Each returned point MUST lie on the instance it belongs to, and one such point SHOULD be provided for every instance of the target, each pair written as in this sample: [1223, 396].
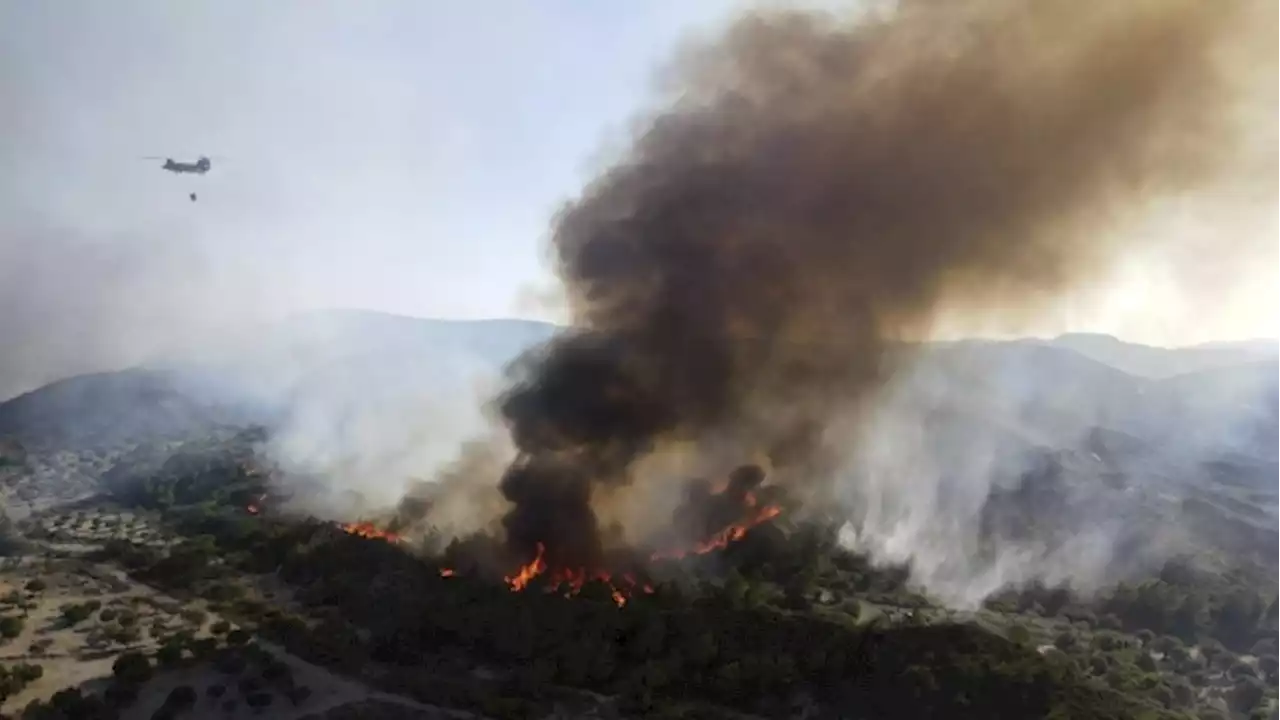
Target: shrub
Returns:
[132, 668]
[169, 655]
[181, 697]
[11, 626]
[1020, 635]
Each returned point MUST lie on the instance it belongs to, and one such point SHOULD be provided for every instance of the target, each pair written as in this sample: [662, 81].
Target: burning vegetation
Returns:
[359, 528]
[710, 519]
[369, 530]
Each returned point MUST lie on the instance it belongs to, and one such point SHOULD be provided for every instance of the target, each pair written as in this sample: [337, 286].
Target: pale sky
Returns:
[398, 155]
[395, 154]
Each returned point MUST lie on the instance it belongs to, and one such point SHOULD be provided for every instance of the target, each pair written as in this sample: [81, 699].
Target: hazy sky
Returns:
[400, 155]
[394, 154]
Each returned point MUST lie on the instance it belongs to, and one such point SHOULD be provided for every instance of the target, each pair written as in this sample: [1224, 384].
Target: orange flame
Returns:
[528, 572]
[730, 534]
[622, 588]
[369, 530]
[572, 579]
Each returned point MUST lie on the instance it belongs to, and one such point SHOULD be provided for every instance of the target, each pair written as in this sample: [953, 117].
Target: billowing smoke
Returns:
[814, 193]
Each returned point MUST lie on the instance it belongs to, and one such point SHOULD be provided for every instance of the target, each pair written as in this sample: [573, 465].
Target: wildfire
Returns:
[369, 530]
[758, 515]
[621, 588]
[624, 586]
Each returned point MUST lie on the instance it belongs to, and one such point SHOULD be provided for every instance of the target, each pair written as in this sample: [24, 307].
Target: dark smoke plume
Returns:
[817, 190]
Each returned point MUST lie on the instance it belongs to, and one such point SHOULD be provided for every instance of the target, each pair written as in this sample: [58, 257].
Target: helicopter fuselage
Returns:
[199, 167]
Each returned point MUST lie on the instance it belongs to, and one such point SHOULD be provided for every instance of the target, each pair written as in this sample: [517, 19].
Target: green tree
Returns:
[169, 655]
[75, 614]
[1187, 617]
[132, 668]
[735, 589]
[1020, 635]
[1236, 619]
[11, 626]
[204, 648]
[195, 617]
[182, 697]
[1066, 640]
[1246, 695]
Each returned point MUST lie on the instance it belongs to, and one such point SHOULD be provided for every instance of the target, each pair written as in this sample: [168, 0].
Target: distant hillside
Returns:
[343, 364]
[1158, 362]
[339, 385]
[105, 409]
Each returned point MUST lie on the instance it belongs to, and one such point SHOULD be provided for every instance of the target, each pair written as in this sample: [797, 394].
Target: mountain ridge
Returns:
[345, 368]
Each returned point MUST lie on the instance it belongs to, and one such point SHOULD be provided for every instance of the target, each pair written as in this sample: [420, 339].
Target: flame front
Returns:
[528, 572]
[572, 580]
[758, 515]
[369, 530]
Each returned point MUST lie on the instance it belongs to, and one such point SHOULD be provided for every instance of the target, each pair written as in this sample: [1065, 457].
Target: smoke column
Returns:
[816, 190]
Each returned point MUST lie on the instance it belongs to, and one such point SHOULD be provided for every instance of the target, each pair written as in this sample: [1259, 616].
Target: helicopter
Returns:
[200, 166]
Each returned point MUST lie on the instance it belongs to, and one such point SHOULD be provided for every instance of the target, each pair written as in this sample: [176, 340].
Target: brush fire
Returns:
[710, 519]
[369, 530]
[717, 517]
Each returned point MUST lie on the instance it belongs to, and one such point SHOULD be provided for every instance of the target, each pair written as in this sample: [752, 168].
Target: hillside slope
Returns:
[343, 364]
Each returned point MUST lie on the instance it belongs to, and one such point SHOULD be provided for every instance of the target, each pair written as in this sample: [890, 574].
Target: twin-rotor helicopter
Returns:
[201, 166]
